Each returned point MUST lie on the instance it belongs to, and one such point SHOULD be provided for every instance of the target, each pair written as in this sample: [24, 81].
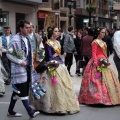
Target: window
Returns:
[56, 4]
[3, 20]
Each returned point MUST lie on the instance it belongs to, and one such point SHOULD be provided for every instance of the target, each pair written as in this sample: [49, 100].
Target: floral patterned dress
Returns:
[99, 87]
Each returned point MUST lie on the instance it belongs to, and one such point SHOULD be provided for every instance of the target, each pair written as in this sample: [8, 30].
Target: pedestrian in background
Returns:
[86, 48]
[21, 69]
[69, 48]
[109, 43]
[78, 56]
[6, 38]
[35, 43]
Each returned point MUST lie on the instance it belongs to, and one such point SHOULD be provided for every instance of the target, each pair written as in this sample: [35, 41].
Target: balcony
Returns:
[116, 6]
[26, 2]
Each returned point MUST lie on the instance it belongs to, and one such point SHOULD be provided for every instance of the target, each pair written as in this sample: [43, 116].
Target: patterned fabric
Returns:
[59, 98]
[113, 86]
[18, 72]
[55, 45]
[99, 88]
[4, 40]
[33, 43]
[49, 52]
[2, 87]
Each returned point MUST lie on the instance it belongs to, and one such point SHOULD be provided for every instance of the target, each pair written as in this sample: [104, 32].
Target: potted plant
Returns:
[90, 7]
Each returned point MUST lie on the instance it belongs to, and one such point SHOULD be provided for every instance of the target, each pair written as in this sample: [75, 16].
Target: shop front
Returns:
[11, 12]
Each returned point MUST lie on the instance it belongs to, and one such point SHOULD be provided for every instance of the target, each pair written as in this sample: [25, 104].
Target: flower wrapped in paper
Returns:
[52, 66]
[41, 52]
[16, 53]
[104, 63]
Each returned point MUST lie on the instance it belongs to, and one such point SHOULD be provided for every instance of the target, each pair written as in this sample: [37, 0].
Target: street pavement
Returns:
[86, 112]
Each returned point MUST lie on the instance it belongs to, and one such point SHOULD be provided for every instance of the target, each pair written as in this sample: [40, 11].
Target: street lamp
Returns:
[90, 7]
[70, 5]
[112, 12]
[57, 19]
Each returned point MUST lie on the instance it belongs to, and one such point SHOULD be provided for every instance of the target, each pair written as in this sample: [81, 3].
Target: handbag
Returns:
[81, 63]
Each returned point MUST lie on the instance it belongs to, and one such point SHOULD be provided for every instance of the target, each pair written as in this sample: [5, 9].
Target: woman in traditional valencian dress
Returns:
[99, 83]
[60, 97]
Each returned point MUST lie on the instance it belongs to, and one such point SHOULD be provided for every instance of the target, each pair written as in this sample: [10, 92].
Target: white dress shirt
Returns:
[31, 35]
[116, 43]
[8, 40]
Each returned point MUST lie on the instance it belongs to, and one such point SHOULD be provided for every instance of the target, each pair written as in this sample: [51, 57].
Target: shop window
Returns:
[3, 20]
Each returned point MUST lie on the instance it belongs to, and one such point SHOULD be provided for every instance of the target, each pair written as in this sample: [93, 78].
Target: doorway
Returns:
[19, 16]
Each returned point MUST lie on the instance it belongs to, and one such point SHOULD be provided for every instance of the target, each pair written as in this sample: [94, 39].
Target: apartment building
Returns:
[45, 10]
[99, 17]
[11, 11]
[116, 11]
[59, 10]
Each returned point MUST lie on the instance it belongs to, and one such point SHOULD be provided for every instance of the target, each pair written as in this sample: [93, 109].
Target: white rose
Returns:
[10, 50]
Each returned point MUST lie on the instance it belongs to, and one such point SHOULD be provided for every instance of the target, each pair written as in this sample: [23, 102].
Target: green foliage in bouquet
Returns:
[102, 68]
[41, 53]
[17, 53]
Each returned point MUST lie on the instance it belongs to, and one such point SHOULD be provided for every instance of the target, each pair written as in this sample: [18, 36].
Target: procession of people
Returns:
[31, 63]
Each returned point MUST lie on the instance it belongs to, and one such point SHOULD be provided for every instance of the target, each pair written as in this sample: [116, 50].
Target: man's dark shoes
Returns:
[2, 94]
[78, 74]
[7, 82]
[71, 75]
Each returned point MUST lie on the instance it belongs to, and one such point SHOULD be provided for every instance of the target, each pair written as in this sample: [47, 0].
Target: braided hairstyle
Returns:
[50, 31]
[97, 31]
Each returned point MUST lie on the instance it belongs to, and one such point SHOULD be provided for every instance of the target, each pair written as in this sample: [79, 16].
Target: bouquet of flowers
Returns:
[52, 66]
[17, 53]
[104, 63]
[41, 53]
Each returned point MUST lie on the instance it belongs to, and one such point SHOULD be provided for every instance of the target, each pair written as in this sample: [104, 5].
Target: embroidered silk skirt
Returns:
[59, 98]
[99, 87]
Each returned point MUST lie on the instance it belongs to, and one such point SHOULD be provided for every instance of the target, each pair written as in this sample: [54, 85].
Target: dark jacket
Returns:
[108, 41]
[77, 43]
[86, 49]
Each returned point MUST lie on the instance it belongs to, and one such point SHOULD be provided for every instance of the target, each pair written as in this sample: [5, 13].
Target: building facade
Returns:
[116, 13]
[11, 12]
[99, 17]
